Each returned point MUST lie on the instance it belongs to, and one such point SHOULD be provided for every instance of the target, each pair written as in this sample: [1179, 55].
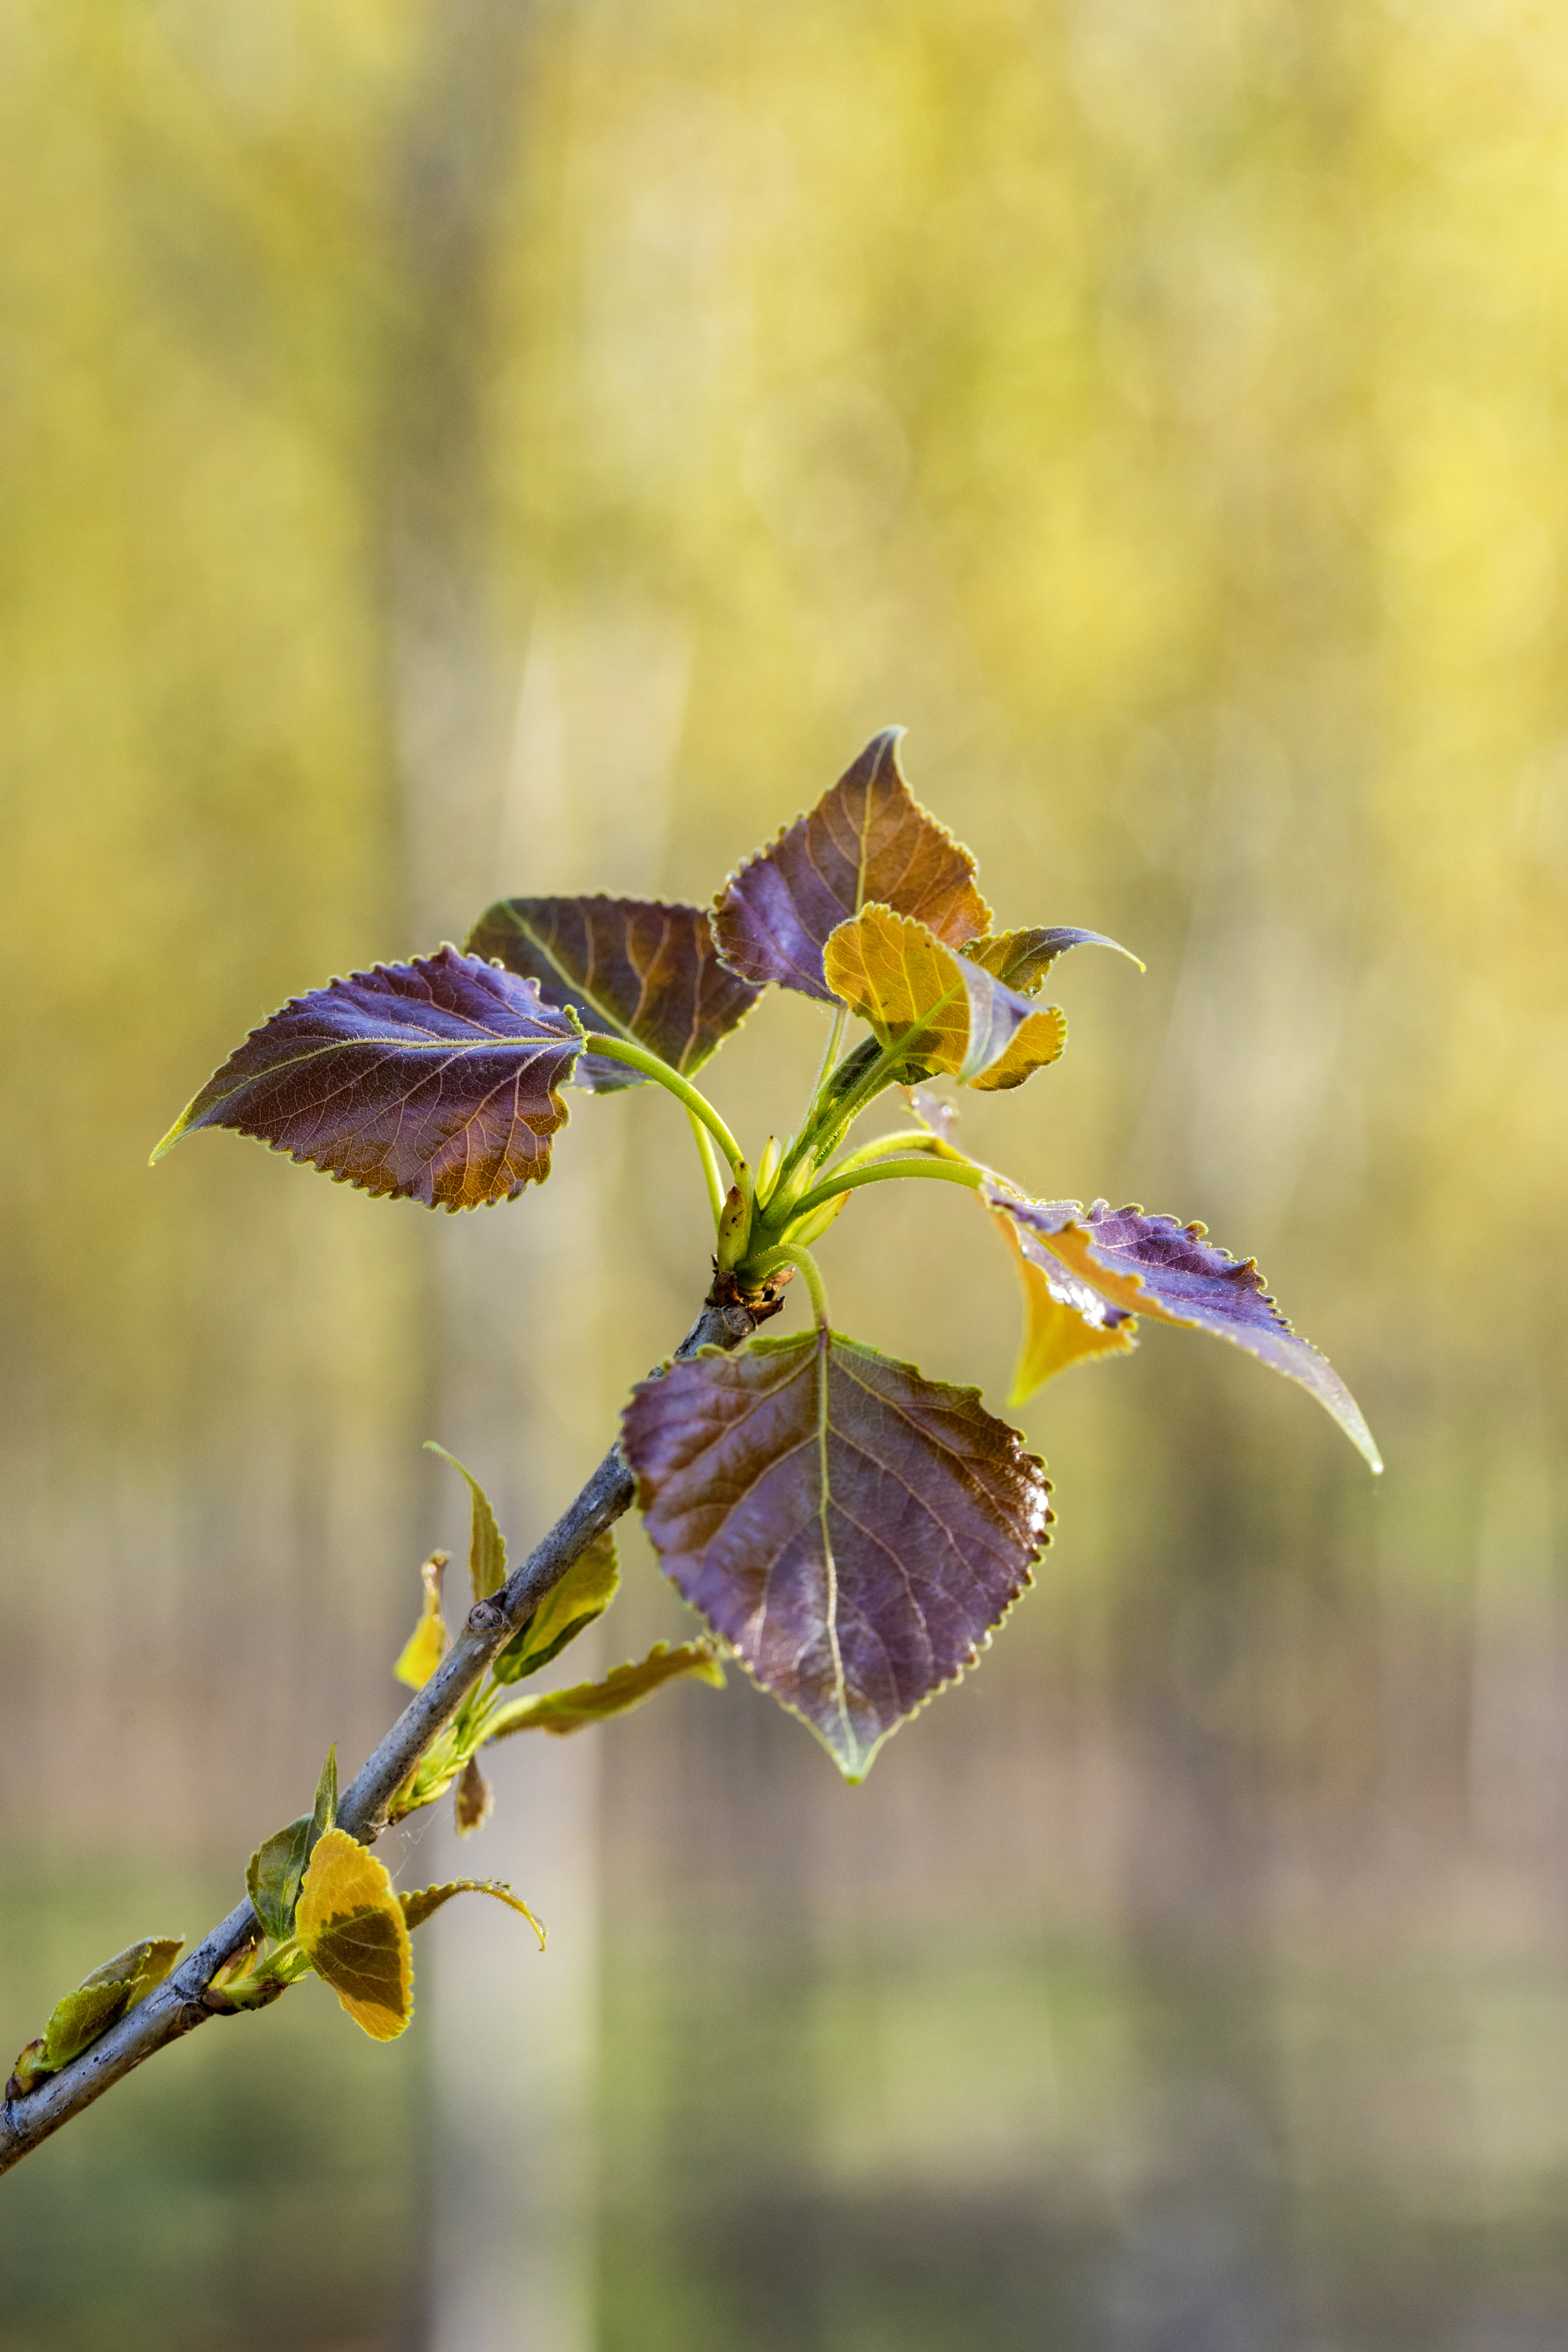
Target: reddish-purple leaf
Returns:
[434, 1081]
[867, 840]
[1155, 1266]
[855, 1531]
[631, 967]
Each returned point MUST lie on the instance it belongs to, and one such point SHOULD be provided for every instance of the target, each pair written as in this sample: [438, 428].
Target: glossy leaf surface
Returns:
[78, 2019]
[1064, 1322]
[561, 1712]
[855, 1531]
[1023, 959]
[955, 1017]
[349, 1923]
[426, 1645]
[568, 1609]
[867, 840]
[421, 1901]
[631, 967]
[486, 1545]
[1154, 1265]
[431, 1081]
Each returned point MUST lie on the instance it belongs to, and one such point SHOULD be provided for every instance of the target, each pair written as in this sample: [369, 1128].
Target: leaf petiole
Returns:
[787, 1253]
[621, 1049]
[850, 1180]
[717, 1188]
[904, 1138]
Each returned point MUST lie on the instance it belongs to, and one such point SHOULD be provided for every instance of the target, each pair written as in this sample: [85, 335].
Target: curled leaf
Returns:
[631, 967]
[1023, 959]
[419, 1904]
[475, 1800]
[568, 1609]
[432, 1081]
[350, 1927]
[867, 840]
[426, 1645]
[855, 1531]
[954, 1017]
[561, 1712]
[274, 1873]
[1152, 1266]
[486, 1545]
[1064, 1322]
[80, 2017]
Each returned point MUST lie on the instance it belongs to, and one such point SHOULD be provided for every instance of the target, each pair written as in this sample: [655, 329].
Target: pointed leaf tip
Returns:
[867, 840]
[855, 1531]
[432, 1081]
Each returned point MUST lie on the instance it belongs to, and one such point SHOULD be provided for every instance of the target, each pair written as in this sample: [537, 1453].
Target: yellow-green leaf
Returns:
[1024, 958]
[561, 1712]
[568, 1609]
[422, 1901]
[952, 1013]
[486, 1545]
[100, 2001]
[426, 1645]
[350, 1927]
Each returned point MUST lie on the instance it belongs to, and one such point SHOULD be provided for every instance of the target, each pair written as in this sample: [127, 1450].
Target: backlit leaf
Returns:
[419, 1904]
[349, 1923]
[568, 1609]
[486, 1545]
[1023, 959]
[78, 2019]
[432, 1081]
[955, 1017]
[855, 1531]
[1155, 1266]
[565, 1711]
[426, 1645]
[1064, 1322]
[867, 840]
[475, 1800]
[631, 967]
[273, 1876]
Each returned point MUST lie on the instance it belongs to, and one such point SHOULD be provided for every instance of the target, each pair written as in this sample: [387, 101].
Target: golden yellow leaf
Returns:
[351, 1925]
[1064, 1321]
[426, 1645]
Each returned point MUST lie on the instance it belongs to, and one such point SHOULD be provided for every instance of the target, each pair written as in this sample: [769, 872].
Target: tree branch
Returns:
[176, 2007]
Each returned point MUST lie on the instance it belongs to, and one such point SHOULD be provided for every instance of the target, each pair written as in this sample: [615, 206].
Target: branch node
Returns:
[484, 1617]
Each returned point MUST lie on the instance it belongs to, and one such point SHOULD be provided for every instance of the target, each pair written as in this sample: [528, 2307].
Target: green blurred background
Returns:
[530, 445]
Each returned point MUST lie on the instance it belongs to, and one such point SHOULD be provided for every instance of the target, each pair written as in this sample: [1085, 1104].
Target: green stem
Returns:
[850, 1180]
[785, 1253]
[621, 1049]
[835, 1040]
[905, 1138]
[717, 1188]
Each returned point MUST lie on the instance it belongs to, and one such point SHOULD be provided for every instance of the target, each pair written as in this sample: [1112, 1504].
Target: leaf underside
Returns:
[866, 839]
[631, 967]
[431, 1081]
[957, 1018]
[1152, 1266]
[564, 1711]
[351, 1924]
[855, 1531]
[420, 1902]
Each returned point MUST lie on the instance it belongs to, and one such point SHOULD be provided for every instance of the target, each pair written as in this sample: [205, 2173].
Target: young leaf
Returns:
[350, 1927]
[426, 1645]
[957, 1018]
[486, 1545]
[1152, 1266]
[566, 1711]
[100, 2001]
[867, 839]
[630, 966]
[1023, 959]
[421, 1901]
[431, 1081]
[324, 1812]
[854, 1531]
[1064, 1322]
[568, 1609]
[475, 1800]
[273, 1874]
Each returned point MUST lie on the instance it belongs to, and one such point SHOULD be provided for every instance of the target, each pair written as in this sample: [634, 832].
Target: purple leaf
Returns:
[632, 966]
[855, 1531]
[432, 1081]
[867, 840]
[1155, 1266]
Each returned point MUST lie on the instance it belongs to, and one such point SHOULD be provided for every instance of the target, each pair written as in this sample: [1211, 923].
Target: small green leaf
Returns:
[350, 1927]
[566, 1711]
[426, 1645]
[273, 1874]
[486, 1545]
[568, 1609]
[475, 1800]
[419, 1904]
[324, 1812]
[100, 2001]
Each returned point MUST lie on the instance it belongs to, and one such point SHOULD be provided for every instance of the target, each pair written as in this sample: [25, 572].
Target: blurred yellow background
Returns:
[530, 445]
